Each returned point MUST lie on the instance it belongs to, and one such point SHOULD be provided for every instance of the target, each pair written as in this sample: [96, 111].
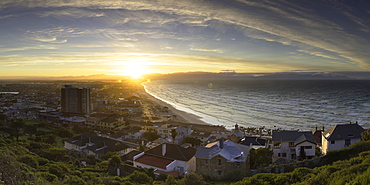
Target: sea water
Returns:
[285, 104]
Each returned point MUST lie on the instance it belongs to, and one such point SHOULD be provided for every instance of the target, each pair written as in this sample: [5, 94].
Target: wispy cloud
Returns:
[206, 50]
[74, 13]
[193, 26]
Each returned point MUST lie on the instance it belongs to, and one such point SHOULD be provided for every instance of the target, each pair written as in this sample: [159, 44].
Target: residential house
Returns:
[291, 145]
[182, 132]
[236, 134]
[162, 129]
[341, 136]
[93, 119]
[221, 157]
[165, 130]
[203, 136]
[129, 157]
[168, 159]
[112, 122]
[254, 142]
[94, 145]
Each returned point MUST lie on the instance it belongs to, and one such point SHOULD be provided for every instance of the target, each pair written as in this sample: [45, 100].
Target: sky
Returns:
[134, 37]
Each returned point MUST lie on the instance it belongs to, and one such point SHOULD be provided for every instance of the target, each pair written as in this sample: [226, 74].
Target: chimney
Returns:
[316, 128]
[221, 143]
[164, 149]
[356, 122]
[323, 128]
[349, 122]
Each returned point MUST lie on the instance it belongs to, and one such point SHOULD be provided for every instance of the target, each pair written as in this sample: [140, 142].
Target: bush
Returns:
[140, 178]
[30, 160]
[74, 180]
[47, 176]
[235, 175]
[192, 179]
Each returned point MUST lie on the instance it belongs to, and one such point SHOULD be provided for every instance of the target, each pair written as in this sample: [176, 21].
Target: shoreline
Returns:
[180, 116]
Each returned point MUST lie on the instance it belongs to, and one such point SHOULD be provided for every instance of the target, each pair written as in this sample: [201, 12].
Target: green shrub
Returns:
[140, 178]
[47, 176]
[30, 160]
[74, 180]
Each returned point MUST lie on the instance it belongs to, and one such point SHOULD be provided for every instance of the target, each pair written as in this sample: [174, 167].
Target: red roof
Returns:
[154, 161]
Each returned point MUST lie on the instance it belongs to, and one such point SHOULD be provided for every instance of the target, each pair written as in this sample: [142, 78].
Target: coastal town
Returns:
[95, 119]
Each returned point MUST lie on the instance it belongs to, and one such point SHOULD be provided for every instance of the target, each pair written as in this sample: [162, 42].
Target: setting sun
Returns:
[135, 69]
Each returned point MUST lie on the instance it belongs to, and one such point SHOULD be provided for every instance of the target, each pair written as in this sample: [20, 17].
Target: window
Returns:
[347, 142]
[279, 154]
[291, 144]
[219, 173]
[277, 145]
[206, 161]
[350, 135]
[283, 154]
[307, 147]
[219, 162]
[237, 164]
[332, 142]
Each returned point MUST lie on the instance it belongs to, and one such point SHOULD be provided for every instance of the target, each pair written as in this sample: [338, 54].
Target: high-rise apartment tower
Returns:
[75, 100]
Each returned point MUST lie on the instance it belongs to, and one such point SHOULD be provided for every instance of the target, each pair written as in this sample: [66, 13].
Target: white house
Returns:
[291, 145]
[341, 136]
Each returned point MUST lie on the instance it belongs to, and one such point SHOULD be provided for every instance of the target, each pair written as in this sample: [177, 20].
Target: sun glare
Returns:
[134, 70]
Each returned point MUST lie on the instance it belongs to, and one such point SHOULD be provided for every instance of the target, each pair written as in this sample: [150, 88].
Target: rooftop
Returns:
[343, 131]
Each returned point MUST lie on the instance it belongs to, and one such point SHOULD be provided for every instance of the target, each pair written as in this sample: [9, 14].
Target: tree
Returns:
[365, 135]
[30, 160]
[171, 181]
[55, 154]
[50, 139]
[141, 148]
[115, 160]
[47, 176]
[192, 179]
[74, 180]
[302, 154]
[191, 140]
[16, 125]
[173, 134]
[65, 133]
[10, 168]
[261, 157]
[140, 178]
[151, 136]
[30, 130]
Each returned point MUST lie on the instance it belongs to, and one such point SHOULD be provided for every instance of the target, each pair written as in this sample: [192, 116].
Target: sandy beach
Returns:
[168, 111]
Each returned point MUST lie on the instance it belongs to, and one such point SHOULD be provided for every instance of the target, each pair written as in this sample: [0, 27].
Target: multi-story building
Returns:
[291, 145]
[75, 100]
[219, 158]
[112, 122]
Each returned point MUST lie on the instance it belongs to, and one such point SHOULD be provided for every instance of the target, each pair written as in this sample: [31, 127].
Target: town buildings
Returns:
[92, 144]
[75, 100]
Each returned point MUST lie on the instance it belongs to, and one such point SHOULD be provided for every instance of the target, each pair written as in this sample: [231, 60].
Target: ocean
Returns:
[285, 104]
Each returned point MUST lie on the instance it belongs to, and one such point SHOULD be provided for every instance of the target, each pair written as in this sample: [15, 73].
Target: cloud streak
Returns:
[263, 35]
